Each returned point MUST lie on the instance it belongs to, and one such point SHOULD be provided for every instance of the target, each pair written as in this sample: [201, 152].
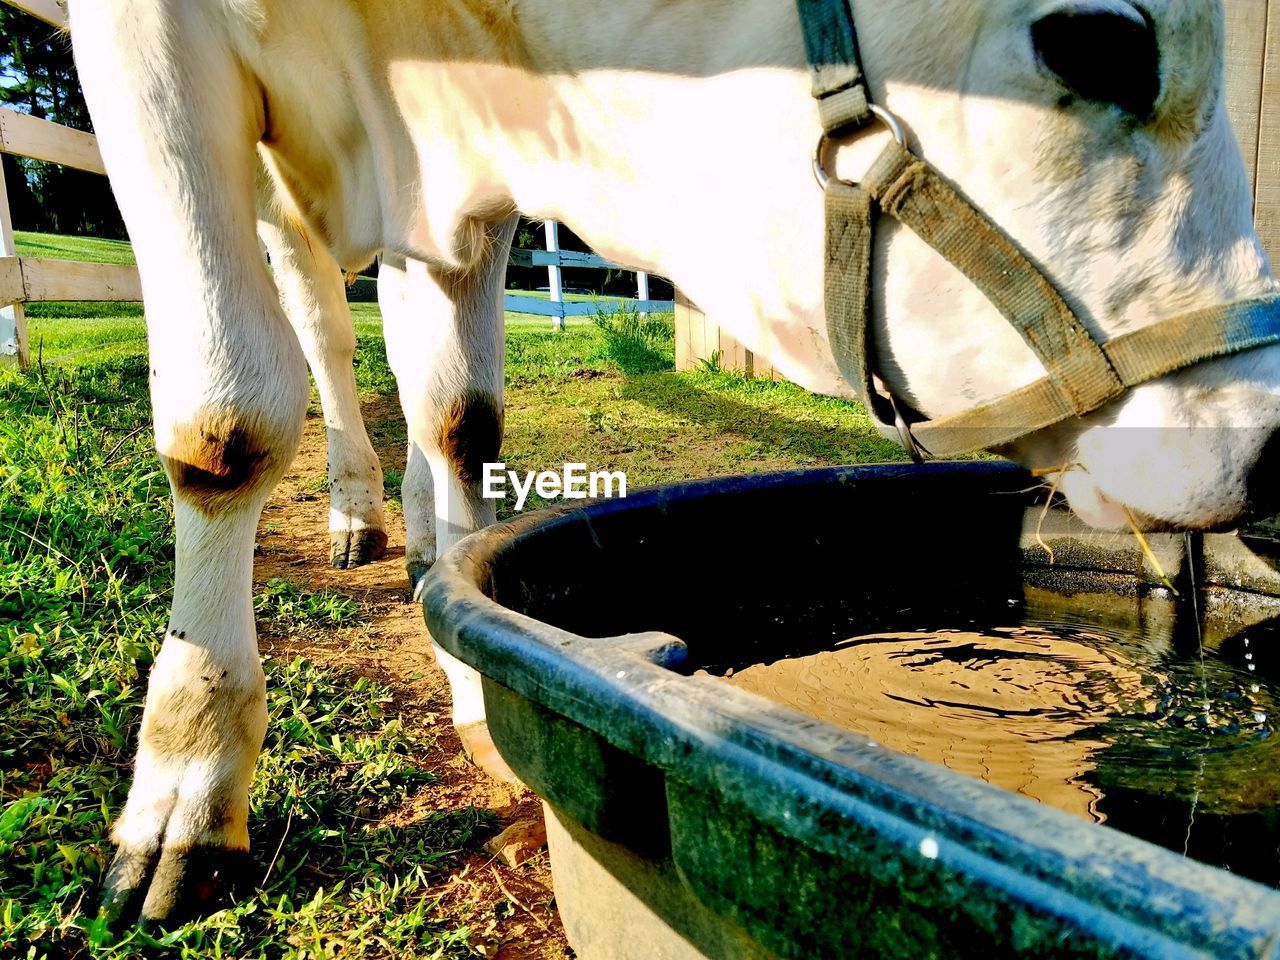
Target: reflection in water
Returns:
[1108, 726]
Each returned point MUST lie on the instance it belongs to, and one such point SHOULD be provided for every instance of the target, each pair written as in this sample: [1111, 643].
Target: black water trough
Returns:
[689, 818]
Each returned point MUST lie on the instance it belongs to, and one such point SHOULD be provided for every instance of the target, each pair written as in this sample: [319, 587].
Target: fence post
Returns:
[555, 282]
[642, 287]
[13, 318]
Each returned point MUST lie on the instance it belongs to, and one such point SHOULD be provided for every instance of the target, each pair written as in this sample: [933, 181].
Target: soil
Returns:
[509, 909]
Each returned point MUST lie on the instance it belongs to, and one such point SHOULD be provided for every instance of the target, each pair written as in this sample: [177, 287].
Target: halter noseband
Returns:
[1082, 374]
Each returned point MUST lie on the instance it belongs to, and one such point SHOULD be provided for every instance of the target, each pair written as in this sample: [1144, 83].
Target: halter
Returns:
[1082, 373]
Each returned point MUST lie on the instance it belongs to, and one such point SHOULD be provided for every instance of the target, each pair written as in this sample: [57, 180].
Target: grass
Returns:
[86, 565]
[636, 343]
[61, 247]
[84, 585]
[288, 604]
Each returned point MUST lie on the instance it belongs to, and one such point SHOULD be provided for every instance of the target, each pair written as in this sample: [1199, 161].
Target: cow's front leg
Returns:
[224, 444]
[444, 333]
[177, 120]
[314, 300]
[182, 838]
[227, 426]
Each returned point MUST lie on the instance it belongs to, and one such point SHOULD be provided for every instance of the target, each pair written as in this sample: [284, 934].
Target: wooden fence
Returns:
[34, 280]
[1253, 103]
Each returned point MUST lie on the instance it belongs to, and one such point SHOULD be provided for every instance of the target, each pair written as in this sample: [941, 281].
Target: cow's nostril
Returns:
[1263, 486]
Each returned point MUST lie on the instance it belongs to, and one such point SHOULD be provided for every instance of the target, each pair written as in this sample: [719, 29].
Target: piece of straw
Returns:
[1146, 548]
[1048, 502]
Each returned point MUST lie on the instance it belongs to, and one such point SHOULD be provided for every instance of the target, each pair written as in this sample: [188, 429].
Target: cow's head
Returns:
[1092, 131]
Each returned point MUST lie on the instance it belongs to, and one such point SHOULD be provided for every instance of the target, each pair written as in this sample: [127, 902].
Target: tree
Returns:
[38, 76]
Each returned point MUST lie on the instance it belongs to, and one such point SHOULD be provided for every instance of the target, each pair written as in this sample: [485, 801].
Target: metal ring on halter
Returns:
[824, 142]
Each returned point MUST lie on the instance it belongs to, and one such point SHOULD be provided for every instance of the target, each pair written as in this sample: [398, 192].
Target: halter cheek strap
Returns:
[1082, 375]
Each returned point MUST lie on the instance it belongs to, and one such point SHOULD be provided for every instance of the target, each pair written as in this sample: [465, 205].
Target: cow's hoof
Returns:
[417, 571]
[355, 548]
[479, 748]
[173, 888]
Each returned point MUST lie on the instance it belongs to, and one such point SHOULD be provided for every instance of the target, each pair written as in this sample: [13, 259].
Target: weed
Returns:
[638, 343]
[392, 482]
[287, 603]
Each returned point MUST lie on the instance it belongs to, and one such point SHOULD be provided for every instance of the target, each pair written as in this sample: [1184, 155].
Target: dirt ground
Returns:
[509, 910]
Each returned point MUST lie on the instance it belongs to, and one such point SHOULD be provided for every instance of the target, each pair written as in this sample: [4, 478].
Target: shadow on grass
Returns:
[311, 856]
[784, 421]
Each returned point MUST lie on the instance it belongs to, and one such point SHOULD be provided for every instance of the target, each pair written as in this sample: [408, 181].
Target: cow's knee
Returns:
[442, 495]
[469, 434]
[219, 458]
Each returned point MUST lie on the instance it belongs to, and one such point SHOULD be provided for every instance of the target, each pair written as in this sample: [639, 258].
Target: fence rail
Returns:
[16, 136]
[40, 280]
[28, 136]
[34, 279]
[52, 12]
[560, 258]
[582, 308]
[556, 307]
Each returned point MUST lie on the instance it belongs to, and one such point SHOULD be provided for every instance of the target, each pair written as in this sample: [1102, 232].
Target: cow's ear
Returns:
[1102, 52]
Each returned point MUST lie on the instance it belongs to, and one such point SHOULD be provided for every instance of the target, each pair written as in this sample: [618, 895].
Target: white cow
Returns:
[418, 127]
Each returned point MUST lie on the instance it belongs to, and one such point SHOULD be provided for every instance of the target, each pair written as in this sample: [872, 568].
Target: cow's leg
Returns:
[314, 300]
[177, 120]
[444, 335]
[417, 495]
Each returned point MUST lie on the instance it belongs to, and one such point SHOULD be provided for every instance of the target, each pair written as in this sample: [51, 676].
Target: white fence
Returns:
[554, 259]
[33, 280]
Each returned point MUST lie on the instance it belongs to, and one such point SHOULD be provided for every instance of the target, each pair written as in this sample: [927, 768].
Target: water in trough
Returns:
[1139, 727]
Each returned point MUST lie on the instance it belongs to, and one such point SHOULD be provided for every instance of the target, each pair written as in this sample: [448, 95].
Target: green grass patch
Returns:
[285, 602]
[58, 246]
[638, 344]
[86, 565]
[392, 481]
